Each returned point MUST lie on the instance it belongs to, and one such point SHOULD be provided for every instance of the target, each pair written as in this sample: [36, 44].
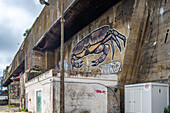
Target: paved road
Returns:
[7, 109]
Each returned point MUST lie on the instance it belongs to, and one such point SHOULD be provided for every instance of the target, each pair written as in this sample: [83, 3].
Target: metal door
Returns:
[129, 100]
[137, 100]
[133, 99]
[38, 93]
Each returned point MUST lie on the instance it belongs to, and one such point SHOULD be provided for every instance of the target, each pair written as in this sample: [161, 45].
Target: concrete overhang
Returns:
[78, 15]
[17, 71]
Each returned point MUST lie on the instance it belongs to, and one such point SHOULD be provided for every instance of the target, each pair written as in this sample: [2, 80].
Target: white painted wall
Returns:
[79, 97]
[81, 94]
[37, 84]
[45, 98]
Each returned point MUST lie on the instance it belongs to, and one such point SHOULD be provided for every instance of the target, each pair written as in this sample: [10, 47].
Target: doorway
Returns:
[38, 95]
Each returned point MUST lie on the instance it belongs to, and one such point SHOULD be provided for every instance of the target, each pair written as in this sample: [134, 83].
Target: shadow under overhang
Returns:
[77, 16]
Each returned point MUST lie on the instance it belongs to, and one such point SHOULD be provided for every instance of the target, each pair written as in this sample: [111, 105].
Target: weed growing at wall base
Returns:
[167, 109]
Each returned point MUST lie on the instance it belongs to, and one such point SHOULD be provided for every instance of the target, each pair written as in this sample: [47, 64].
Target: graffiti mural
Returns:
[96, 43]
[113, 67]
[66, 65]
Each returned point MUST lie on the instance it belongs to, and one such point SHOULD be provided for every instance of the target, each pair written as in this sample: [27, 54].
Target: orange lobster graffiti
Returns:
[96, 43]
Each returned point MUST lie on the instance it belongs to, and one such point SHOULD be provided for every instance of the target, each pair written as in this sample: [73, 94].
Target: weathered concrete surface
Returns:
[6, 109]
[143, 23]
[117, 18]
[155, 63]
[145, 57]
[14, 93]
[43, 84]
[147, 53]
[82, 94]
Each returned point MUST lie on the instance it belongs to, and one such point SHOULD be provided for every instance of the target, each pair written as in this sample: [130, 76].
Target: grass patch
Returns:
[11, 106]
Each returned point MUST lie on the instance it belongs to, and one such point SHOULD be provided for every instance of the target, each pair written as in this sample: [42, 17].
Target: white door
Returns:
[133, 100]
[129, 100]
[137, 100]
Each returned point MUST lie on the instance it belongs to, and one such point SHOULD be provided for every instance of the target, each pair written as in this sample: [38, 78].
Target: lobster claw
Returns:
[78, 64]
[95, 63]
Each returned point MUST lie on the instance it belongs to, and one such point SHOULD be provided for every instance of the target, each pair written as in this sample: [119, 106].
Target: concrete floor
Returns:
[5, 108]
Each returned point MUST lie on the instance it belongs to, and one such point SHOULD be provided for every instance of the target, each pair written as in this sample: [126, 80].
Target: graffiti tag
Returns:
[75, 94]
[100, 91]
[113, 67]
[66, 65]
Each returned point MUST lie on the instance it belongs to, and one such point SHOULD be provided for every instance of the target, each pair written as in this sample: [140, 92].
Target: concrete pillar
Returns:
[49, 60]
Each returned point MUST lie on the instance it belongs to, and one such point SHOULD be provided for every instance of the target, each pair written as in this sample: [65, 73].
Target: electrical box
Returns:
[146, 98]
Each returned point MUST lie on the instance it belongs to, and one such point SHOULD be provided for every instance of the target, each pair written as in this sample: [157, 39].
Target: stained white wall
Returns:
[37, 84]
[84, 95]
[89, 98]
[81, 94]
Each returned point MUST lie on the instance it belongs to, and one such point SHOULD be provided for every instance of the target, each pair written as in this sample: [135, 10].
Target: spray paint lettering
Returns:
[113, 67]
[75, 94]
[166, 36]
[100, 91]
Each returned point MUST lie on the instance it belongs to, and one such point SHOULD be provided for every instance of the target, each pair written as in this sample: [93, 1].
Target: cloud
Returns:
[5, 57]
[15, 17]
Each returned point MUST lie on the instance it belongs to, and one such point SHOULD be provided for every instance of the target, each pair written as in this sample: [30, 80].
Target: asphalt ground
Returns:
[5, 108]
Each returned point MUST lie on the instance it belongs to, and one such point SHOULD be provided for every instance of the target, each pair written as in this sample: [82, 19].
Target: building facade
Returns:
[104, 40]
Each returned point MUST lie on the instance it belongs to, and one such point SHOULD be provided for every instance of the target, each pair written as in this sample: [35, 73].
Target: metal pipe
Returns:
[61, 54]
[62, 60]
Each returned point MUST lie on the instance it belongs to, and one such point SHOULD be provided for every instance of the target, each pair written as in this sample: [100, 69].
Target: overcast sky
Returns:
[15, 17]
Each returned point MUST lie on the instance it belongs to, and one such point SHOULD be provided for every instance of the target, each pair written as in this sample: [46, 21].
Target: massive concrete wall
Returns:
[47, 17]
[147, 54]
[45, 20]
[91, 43]
[137, 35]
[155, 64]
